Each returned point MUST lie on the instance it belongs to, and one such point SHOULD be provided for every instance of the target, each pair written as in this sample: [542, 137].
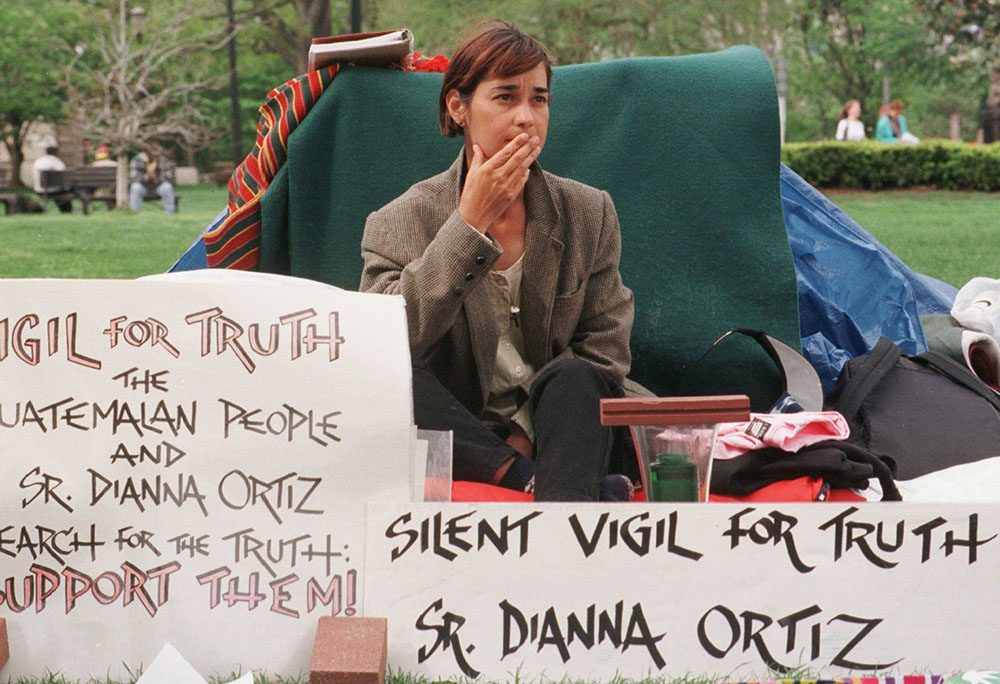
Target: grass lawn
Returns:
[222, 679]
[953, 236]
[105, 244]
[390, 678]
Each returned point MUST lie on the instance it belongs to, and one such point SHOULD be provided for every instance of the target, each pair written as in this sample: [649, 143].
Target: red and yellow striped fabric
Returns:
[235, 242]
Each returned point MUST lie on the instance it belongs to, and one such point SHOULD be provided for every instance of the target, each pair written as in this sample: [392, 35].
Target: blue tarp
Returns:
[852, 289]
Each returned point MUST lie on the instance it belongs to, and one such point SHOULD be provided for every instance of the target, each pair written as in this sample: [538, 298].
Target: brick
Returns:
[349, 650]
[4, 644]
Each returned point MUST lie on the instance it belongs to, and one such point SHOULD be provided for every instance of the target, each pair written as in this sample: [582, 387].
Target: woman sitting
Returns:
[518, 319]
[892, 126]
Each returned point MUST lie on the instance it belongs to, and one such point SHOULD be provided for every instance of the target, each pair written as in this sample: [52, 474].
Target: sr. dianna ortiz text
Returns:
[30, 340]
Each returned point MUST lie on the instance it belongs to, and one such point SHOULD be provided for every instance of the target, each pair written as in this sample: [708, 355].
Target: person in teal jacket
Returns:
[891, 128]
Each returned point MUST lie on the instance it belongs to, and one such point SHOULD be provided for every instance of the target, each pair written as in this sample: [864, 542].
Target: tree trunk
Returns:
[993, 94]
[990, 114]
[321, 18]
[121, 183]
[16, 153]
[316, 23]
[16, 158]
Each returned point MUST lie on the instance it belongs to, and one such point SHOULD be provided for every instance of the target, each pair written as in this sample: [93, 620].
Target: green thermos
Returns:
[675, 478]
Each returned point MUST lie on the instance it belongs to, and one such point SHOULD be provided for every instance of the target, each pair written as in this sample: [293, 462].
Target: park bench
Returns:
[93, 184]
[90, 184]
[5, 197]
[58, 186]
[222, 171]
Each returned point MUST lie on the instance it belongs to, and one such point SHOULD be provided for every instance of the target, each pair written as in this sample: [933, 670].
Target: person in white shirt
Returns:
[51, 162]
[850, 126]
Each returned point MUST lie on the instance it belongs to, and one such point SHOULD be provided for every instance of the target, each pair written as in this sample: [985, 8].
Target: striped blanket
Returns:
[232, 240]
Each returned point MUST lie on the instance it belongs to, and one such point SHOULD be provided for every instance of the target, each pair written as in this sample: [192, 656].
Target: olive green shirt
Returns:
[507, 400]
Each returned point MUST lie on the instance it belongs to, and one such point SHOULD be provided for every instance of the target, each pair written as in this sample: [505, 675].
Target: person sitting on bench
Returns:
[151, 174]
[59, 194]
[102, 156]
[518, 319]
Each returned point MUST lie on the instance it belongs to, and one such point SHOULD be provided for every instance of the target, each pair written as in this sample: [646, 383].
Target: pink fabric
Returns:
[786, 431]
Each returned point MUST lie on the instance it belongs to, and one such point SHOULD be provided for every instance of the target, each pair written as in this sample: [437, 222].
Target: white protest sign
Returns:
[188, 462]
[596, 591]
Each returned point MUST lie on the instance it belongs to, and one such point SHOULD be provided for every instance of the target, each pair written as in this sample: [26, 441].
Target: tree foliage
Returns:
[29, 69]
[969, 31]
[165, 77]
[138, 75]
[288, 27]
[136, 78]
[845, 48]
[591, 30]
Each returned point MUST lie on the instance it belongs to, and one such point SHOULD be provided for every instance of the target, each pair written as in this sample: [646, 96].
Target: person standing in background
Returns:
[850, 127]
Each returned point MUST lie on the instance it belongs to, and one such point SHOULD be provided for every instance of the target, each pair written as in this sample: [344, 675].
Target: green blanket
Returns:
[688, 148]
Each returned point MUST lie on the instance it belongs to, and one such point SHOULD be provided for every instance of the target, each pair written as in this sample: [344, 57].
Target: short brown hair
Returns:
[496, 49]
[896, 105]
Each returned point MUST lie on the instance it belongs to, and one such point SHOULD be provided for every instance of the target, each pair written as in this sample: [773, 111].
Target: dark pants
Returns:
[63, 199]
[572, 449]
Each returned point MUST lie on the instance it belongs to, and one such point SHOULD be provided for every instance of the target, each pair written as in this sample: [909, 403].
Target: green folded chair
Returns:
[688, 148]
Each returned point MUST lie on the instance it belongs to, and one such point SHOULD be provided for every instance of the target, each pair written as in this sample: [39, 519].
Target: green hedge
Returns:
[874, 166]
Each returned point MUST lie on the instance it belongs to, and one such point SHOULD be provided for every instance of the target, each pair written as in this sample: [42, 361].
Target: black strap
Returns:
[798, 376]
[879, 361]
[959, 374]
[882, 470]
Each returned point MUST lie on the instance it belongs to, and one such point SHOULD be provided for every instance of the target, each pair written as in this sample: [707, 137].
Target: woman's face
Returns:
[854, 111]
[502, 108]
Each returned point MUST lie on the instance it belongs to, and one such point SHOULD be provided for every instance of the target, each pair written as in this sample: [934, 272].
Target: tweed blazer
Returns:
[573, 302]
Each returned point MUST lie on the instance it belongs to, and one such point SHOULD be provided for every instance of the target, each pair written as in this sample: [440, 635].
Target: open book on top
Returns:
[384, 48]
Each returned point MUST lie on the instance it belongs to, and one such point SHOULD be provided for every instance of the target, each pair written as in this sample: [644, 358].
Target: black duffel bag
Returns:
[925, 412]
